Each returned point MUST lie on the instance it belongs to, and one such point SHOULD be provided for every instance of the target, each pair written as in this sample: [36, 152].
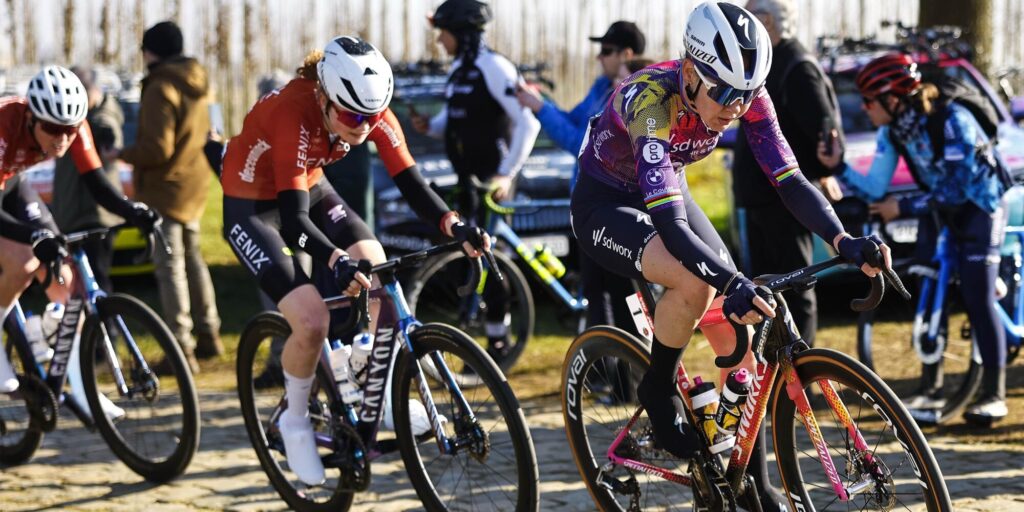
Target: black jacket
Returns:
[802, 103]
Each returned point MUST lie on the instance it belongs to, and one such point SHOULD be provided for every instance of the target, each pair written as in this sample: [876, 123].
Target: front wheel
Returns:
[432, 297]
[492, 464]
[154, 426]
[896, 471]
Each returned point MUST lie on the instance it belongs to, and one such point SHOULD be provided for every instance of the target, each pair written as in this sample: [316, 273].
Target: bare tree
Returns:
[12, 31]
[103, 55]
[69, 31]
[974, 16]
[248, 48]
[30, 32]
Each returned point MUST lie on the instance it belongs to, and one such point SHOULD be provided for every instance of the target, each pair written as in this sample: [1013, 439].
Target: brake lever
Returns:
[894, 282]
[158, 235]
[493, 263]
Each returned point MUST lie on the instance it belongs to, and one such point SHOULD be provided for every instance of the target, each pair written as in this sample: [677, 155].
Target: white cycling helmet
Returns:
[728, 45]
[56, 95]
[356, 76]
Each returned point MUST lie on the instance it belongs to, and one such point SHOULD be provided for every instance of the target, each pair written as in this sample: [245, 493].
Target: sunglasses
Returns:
[726, 95]
[868, 100]
[608, 50]
[57, 130]
[350, 119]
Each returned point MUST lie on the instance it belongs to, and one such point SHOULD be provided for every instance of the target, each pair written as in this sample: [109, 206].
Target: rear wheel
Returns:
[494, 466]
[898, 469]
[154, 428]
[433, 298]
[261, 405]
[887, 349]
[22, 413]
[596, 407]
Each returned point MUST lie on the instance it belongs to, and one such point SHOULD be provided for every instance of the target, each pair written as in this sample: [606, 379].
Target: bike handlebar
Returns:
[77, 238]
[769, 285]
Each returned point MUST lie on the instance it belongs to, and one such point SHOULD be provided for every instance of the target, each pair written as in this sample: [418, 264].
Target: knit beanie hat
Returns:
[163, 39]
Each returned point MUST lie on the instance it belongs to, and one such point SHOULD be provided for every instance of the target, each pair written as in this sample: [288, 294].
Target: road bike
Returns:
[949, 360]
[432, 296]
[859, 447]
[148, 417]
[477, 452]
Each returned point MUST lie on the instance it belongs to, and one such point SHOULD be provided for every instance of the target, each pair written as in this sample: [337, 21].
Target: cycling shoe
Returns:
[673, 434]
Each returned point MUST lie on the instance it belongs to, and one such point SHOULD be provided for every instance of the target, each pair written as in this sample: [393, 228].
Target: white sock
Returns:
[296, 390]
[9, 382]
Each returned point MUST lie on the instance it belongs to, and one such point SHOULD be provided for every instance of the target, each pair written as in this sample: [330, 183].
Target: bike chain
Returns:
[41, 402]
[350, 456]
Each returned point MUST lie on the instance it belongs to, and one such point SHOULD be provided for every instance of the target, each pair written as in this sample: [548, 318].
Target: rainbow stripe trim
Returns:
[662, 199]
[781, 174]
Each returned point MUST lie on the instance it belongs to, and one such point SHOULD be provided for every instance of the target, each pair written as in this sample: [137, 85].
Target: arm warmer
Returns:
[298, 229]
[810, 207]
[14, 229]
[688, 248]
[106, 195]
[423, 200]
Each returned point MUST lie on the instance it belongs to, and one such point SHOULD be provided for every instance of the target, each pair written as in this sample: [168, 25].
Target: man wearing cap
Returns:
[171, 174]
[621, 43]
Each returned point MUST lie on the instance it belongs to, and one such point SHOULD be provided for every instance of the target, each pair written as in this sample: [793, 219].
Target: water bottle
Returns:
[549, 260]
[340, 355]
[34, 333]
[727, 418]
[704, 400]
[362, 344]
[51, 321]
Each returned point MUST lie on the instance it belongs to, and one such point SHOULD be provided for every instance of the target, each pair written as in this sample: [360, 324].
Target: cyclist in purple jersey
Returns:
[633, 211]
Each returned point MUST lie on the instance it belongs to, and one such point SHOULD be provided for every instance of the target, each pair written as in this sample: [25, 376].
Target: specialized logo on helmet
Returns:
[703, 56]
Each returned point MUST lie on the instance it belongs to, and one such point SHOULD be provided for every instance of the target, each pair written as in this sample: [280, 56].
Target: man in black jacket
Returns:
[804, 101]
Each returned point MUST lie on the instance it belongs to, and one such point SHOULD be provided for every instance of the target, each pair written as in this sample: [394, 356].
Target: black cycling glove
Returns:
[861, 250]
[471, 234]
[739, 296]
[48, 246]
[143, 217]
[345, 269]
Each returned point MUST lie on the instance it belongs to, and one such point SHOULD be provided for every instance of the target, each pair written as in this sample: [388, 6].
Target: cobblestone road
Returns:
[74, 470]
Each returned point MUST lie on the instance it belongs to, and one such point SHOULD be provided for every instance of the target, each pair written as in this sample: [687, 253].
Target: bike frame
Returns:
[1014, 324]
[782, 342]
[497, 227]
[394, 323]
[84, 296]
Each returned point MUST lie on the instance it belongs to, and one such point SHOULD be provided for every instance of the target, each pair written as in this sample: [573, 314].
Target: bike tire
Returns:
[594, 418]
[501, 418]
[253, 355]
[443, 274]
[961, 362]
[864, 394]
[160, 465]
[24, 434]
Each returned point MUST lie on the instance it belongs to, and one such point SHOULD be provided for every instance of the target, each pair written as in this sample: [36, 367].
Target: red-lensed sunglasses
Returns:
[351, 119]
[58, 129]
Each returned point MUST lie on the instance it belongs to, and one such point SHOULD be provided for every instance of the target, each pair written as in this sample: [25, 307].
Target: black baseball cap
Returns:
[624, 34]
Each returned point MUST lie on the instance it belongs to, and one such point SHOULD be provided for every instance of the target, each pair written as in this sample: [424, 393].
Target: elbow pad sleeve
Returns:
[810, 207]
[423, 200]
[689, 249]
[298, 229]
[106, 195]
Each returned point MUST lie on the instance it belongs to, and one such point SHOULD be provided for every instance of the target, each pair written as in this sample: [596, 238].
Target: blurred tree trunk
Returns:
[140, 29]
[12, 31]
[974, 16]
[69, 32]
[103, 55]
[248, 59]
[28, 14]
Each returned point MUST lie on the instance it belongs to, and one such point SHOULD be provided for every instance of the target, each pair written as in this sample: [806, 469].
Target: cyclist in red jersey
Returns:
[47, 123]
[275, 197]
[632, 202]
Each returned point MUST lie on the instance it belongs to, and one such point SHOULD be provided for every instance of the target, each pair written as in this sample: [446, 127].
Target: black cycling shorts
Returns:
[19, 199]
[613, 226]
[253, 230]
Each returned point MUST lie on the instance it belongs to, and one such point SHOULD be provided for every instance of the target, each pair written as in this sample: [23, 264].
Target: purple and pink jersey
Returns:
[646, 135]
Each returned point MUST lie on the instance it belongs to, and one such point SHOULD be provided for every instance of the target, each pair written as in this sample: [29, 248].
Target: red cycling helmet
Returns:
[895, 73]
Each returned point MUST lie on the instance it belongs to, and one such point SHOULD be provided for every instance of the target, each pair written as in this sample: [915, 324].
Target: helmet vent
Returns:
[369, 72]
[723, 55]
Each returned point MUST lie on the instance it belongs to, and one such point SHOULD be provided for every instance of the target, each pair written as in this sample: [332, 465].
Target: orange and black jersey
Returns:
[284, 145]
[19, 149]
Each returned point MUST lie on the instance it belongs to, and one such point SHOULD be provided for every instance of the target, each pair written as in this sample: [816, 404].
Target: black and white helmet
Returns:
[728, 44]
[355, 76]
[56, 95]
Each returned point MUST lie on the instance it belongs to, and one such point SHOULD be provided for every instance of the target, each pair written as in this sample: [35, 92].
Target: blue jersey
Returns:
[967, 170]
